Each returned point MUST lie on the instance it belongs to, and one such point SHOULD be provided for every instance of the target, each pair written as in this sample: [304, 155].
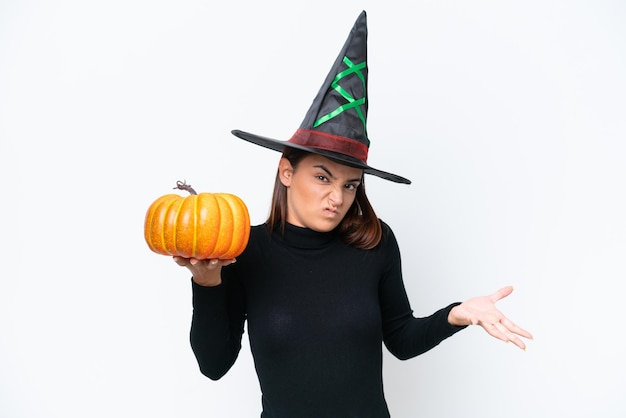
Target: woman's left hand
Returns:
[482, 311]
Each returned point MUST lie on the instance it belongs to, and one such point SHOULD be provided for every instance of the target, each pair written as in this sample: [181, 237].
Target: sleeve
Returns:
[406, 336]
[217, 326]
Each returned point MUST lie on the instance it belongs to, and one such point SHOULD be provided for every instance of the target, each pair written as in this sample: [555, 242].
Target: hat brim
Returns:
[278, 145]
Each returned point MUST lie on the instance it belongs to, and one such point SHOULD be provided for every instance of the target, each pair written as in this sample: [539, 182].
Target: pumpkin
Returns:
[202, 226]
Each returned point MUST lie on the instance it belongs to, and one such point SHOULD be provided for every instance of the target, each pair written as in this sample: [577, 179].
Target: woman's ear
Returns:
[285, 171]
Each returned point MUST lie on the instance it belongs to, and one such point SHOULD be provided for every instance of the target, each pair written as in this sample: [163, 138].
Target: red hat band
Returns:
[329, 142]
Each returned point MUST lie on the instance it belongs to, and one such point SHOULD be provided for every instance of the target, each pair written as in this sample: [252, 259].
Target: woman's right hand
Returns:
[204, 272]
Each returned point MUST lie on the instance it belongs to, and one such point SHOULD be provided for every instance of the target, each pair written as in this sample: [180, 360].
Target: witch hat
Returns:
[336, 123]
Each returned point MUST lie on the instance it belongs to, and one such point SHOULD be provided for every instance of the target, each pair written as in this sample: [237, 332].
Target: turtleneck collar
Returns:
[301, 237]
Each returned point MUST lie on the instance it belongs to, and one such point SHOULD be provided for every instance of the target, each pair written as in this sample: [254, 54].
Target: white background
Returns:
[509, 117]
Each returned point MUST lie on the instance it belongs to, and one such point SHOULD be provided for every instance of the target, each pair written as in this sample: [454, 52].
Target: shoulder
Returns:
[388, 240]
[258, 233]
[385, 226]
[256, 247]
[259, 230]
[388, 233]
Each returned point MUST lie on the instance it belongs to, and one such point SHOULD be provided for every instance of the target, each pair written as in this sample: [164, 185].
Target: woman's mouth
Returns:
[331, 212]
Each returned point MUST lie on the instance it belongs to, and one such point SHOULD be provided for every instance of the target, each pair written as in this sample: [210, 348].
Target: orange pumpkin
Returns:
[202, 226]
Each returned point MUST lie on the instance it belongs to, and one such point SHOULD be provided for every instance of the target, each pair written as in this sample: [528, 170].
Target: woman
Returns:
[320, 282]
[320, 290]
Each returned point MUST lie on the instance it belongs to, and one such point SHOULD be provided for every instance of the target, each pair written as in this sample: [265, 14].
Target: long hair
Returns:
[360, 227]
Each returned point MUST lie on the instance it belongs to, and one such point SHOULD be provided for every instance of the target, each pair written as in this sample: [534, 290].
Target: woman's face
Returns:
[319, 191]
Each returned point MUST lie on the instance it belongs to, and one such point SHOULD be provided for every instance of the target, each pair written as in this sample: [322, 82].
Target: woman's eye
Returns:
[321, 177]
[351, 186]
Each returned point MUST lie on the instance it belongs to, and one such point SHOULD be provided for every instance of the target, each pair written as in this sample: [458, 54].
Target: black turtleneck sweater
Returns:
[318, 312]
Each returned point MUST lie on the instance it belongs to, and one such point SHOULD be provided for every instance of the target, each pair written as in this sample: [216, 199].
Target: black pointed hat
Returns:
[336, 123]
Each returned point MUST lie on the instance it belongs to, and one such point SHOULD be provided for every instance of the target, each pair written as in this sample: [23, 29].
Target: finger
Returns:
[227, 262]
[499, 331]
[501, 293]
[510, 336]
[214, 263]
[493, 330]
[515, 340]
[196, 261]
[514, 328]
[180, 261]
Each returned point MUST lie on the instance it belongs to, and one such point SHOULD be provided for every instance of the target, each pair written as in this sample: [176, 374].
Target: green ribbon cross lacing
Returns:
[352, 102]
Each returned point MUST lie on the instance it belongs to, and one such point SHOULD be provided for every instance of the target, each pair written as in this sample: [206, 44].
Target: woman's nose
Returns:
[336, 196]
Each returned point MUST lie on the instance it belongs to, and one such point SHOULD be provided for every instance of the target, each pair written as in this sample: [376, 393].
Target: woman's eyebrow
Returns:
[323, 167]
[331, 175]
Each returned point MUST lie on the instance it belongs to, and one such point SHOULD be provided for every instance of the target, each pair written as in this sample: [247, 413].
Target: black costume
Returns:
[318, 312]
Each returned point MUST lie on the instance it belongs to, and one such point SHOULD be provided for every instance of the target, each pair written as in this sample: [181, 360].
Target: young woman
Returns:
[320, 285]
[320, 282]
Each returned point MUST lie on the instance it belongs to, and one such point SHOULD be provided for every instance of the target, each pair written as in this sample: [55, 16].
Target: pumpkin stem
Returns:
[182, 185]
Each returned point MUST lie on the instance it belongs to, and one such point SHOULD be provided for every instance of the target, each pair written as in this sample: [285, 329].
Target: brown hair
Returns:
[360, 227]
